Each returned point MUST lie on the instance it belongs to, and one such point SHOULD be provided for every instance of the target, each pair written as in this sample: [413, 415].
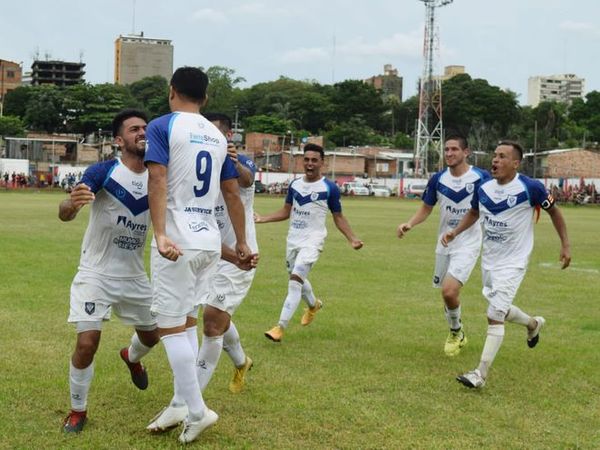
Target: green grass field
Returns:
[369, 373]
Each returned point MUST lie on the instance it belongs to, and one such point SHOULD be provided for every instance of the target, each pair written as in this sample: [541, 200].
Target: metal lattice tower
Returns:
[429, 127]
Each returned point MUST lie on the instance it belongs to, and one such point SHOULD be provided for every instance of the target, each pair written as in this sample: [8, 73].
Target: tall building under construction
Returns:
[137, 57]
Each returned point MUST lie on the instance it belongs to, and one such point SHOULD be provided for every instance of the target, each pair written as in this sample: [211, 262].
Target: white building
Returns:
[559, 88]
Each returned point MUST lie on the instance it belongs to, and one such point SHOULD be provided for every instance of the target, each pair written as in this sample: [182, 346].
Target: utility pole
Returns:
[429, 126]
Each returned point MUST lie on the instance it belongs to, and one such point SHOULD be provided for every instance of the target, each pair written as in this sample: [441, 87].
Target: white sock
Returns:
[308, 294]
[182, 362]
[516, 315]
[137, 350]
[453, 317]
[495, 336]
[191, 334]
[233, 347]
[79, 384]
[208, 358]
[291, 302]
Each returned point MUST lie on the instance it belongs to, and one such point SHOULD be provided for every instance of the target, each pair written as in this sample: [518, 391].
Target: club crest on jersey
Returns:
[221, 298]
[470, 187]
[120, 193]
[314, 196]
[511, 200]
[90, 307]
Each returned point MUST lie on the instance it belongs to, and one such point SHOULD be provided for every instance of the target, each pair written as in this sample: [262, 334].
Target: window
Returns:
[10, 74]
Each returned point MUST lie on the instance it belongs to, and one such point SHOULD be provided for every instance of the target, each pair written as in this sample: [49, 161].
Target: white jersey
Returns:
[195, 153]
[310, 204]
[506, 212]
[113, 245]
[223, 220]
[455, 195]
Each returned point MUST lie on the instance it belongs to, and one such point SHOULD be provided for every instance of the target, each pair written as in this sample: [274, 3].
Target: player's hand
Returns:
[403, 228]
[167, 248]
[447, 238]
[232, 152]
[257, 218]
[565, 257]
[356, 244]
[81, 195]
[242, 251]
[249, 263]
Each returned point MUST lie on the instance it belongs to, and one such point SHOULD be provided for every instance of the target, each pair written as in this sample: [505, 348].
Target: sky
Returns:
[504, 42]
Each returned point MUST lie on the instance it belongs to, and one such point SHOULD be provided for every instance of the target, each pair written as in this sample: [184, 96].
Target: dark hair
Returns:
[190, 82]
[122, 116]
[462, 141]
[518, 148]
[218, 117]
[314, 148]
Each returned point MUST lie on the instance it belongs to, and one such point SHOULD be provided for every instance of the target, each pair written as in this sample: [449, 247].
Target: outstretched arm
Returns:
[420, 216]
[277, 216]
[467, 221]
[342, 224]
[80, 196]
[561, 229]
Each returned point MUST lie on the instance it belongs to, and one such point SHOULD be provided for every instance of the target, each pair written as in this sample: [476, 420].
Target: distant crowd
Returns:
[578, 194]
[21, 180]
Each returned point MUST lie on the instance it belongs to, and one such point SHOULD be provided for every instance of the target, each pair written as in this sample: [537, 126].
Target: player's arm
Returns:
[277, 216]
[228, 254]
[466, 222]
[561, 229]
[420, 216]
[80, 196]
[157, 202]
[235, 210]
[246, 178]
[342, 224]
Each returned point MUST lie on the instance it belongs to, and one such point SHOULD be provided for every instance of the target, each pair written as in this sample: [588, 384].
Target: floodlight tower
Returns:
[429, 127]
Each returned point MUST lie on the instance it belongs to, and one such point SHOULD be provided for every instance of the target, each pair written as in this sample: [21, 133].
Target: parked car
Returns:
[379, 190]
[416, 190]
[259, 187]
[354, 188]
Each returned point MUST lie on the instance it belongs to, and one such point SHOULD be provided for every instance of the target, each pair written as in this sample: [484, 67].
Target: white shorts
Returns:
[228, 287]
[93, 298]
[458, 265]
[299, 260]
[500, 288]
[179, 286]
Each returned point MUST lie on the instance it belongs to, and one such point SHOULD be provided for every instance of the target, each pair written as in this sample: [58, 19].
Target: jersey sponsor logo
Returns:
[137, 184]
[495, 237]
[90, 308]
[511, 200]
[495, 223]
[470, 187]
[204, 139]
[457, 211]
[195, 209]
[128, 242]
[300, 212]
[197, 227]
[137, 228]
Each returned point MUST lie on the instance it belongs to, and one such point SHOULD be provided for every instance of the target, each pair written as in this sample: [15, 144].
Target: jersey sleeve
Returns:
[248, 163]
[430, 194]
[228, 170]
[157, 139]
[538, 196]
[95, 175]
[475, 199]
[333, 199]
[289, 198]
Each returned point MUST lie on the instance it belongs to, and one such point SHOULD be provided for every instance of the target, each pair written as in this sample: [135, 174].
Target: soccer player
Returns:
[306, 205]
[453, 187]
[111, 273]
[188, 165]
[507, 205]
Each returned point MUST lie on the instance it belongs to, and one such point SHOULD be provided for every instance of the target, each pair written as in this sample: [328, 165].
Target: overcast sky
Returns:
[504, 41]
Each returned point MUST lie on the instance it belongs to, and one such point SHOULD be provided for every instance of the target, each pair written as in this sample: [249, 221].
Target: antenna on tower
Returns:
[133, 20]
[333, 60]
[429, 129]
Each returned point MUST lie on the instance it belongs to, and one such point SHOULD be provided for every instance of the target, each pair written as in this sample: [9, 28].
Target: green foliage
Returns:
[369, 373]
[44, 111]
[353, 132]
[267, 124]
[11, 126]
[353, 98]
[403, 141]
[15, 101]
[152, 93]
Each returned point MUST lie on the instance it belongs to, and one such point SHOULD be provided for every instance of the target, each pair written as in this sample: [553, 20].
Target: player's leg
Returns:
[292, 299]
[533, 324]
[241, 362]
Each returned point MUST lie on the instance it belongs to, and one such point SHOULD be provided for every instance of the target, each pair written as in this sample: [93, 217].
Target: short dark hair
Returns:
[190, 82]
[314, 148]
[218, 117]
[462, 141]
[518, 148]
[122, 116]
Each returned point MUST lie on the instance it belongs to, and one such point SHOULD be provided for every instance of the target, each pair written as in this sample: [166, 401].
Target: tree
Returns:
[354, 132]
[15, 101]
[223, 92]
[267, 124]
[402, 140]
[11, 126]
[44, 109]
[152, 93]
[353, 98]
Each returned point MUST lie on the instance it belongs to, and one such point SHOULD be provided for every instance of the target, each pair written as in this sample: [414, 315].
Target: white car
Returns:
[379, 190]
[416, 190]
[353, 188]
